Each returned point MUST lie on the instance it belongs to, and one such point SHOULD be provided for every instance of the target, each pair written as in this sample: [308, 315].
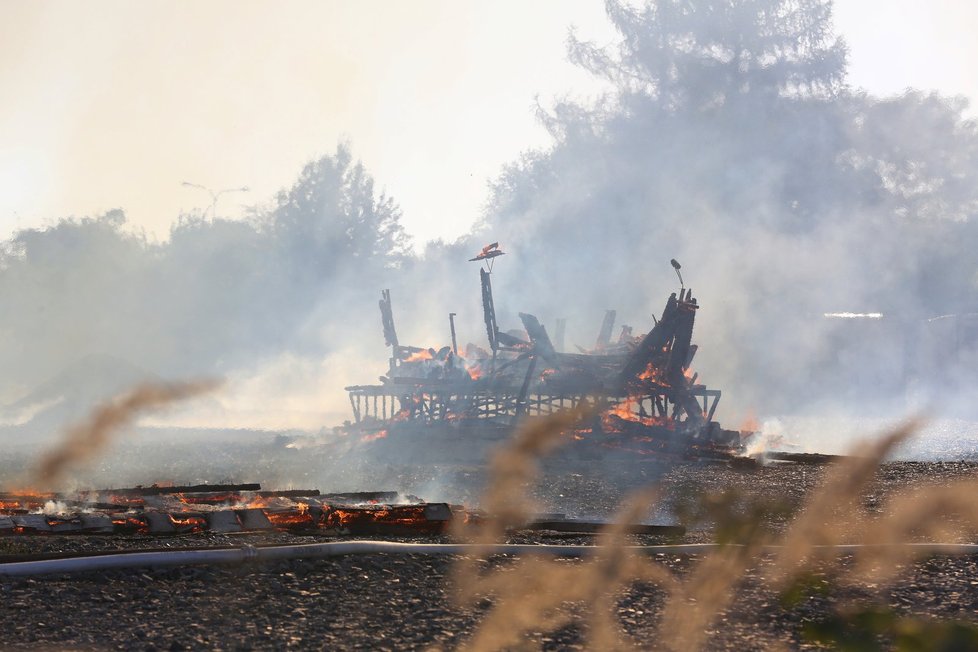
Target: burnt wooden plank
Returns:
[289, 493]
[177, 489]
[358, 497]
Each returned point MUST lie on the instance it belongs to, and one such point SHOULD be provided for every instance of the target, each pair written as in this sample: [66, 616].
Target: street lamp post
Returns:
[214, 195]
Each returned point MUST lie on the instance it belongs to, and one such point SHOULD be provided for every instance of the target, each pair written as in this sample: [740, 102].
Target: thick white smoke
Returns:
[730, 142]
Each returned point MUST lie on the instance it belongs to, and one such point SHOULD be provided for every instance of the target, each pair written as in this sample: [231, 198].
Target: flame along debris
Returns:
[157, 510]
[219, 508]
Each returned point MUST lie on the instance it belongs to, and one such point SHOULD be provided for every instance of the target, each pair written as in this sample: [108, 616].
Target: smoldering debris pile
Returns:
[641, 392]
[171, 510]
[160, 510]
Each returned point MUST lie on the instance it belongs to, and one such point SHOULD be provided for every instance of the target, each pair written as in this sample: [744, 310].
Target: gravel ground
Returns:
[405, 601]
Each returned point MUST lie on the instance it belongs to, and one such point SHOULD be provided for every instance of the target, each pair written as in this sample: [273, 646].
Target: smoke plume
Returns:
[729, 140]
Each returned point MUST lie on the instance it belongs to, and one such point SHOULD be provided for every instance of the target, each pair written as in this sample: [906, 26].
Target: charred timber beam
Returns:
[803, 458]
[660, 406]
[387, 319]
[607, 325]
[451, 322]
[489, 311]
[683, 335]
[115, 507]
[353, 404]
[507, 342]
[559, 334]
[520, 358]
[179, 489]
[654, 343]
[542, 345]
[14, 496]
[358, 497]
[713, 406]
[521, 399]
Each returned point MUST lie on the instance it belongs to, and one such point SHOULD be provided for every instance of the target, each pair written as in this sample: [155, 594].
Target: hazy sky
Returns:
[112, 103]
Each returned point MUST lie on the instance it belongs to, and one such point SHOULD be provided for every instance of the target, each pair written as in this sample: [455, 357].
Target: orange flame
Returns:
[423, 354]
[289, 518]
[628, 410]
[189, 523]
[750, 422]
[652, 373]
[117, 499]
[209, 499]
[380, 434]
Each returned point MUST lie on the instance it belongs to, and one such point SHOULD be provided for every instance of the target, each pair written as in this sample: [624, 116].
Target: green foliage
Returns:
[8, 547]
[805, 585]
[218, 294]
[876, 628]
[698, 55]
[332, 210]
[730, 141]
[734, 518]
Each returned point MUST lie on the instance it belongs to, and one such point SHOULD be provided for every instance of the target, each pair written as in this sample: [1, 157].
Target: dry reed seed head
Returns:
[535, 593]
[605, 632]
[86, 439]
[734, 517]
[530, 596]
[543, 590]
[937, 514]
[831, 512]
[539, 435]
[860, 466]
[511, 467]
[634, 508]
[612, 557]
[514, 465]
[539, 594]
[694, 604]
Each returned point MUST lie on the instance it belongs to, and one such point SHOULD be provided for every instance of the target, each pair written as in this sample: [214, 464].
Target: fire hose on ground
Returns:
[82, 562]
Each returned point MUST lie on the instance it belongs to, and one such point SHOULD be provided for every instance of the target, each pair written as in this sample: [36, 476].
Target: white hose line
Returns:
[319, 550]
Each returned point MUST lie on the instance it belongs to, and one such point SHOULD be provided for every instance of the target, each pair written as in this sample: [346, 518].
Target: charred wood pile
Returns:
[646, 398]
[157, 510]
[161, 511]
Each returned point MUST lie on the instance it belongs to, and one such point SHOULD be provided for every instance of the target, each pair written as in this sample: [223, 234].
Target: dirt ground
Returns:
[400, 602]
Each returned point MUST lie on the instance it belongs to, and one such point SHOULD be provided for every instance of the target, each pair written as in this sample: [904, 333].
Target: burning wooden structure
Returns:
[642, 390]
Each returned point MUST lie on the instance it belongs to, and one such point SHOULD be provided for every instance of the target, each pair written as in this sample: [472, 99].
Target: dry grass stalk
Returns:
[832, 510]
[85, 440]
[511, 468]
[543, 594]
[694, 604]
[536, 594]
[936, 514]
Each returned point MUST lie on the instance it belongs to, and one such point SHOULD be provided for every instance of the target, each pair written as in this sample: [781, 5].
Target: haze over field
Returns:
[733, 136]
